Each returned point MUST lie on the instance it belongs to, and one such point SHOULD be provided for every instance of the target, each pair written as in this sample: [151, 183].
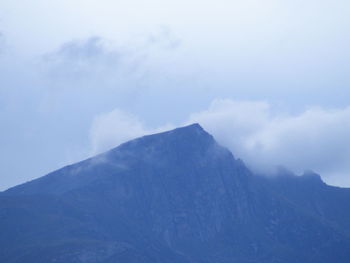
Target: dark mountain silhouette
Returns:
[171, 197]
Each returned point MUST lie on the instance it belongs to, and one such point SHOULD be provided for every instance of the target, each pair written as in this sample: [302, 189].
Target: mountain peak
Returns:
[192, 126]
[176, 196]
[186, 138]
[191, 130]
[194, 129]
[312, 176]
[185, 146]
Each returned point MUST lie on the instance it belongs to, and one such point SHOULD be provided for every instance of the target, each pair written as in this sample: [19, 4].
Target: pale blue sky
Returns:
[64, 64]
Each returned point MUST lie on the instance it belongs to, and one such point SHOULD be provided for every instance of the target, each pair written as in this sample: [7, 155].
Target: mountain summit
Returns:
[166, 149]
[176, 196]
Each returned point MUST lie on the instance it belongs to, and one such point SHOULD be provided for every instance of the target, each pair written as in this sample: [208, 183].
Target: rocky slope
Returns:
[176, 196]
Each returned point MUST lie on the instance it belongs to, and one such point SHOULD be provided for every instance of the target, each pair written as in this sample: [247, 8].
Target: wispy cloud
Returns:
[47, 101]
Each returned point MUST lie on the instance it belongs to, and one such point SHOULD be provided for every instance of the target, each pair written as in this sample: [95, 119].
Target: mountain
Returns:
[176, 196]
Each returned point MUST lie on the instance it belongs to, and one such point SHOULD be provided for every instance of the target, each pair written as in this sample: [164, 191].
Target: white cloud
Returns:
[110, 129]
[316, 139]
[253, 50]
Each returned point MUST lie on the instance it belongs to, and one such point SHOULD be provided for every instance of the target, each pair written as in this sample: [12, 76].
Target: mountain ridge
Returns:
[176, 196]
[105, 157]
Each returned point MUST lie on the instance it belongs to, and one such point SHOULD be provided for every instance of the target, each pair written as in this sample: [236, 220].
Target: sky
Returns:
[269, 79]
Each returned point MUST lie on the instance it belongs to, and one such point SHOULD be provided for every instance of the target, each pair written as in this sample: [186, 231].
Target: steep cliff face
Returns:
[176, 196]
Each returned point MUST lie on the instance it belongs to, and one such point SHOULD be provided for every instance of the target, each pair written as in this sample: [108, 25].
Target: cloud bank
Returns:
[110, 129]
[316, 139]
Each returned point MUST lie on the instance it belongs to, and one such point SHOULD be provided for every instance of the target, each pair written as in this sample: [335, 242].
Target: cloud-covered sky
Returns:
[270, 79]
